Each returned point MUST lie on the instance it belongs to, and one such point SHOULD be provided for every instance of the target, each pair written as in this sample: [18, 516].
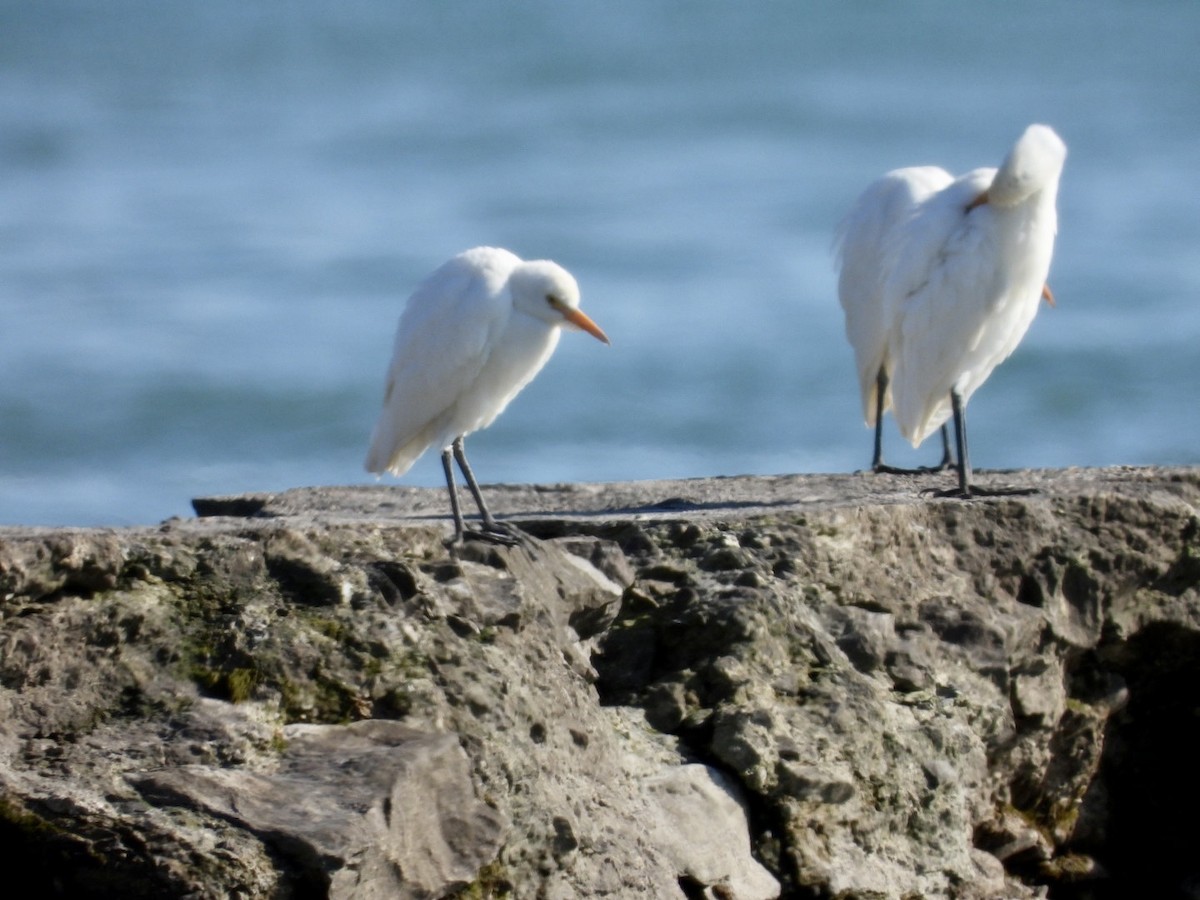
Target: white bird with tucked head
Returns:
[962, 278]
[473, 334]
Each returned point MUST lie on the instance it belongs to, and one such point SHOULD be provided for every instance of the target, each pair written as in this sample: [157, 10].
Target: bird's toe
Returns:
[496, 533]
[977, 492]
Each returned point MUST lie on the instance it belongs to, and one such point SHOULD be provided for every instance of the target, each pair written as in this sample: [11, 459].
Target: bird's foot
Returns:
[496, 533]
[884, 469]
[974, 491]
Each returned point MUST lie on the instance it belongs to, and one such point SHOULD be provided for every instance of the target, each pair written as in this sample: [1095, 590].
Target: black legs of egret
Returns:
[877, 463]
[965, 489]
[960, 444]
[448, 468]
[881, 383]
[492, 530]
[946, 460]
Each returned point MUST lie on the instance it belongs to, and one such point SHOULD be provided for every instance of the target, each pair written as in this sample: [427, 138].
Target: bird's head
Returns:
[549, 292]
[1034, 163]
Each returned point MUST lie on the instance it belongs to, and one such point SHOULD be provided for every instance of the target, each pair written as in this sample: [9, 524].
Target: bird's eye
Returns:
[553, 301]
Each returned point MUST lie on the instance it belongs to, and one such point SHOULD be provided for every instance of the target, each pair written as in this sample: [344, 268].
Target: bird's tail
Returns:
[915, 428]
[385, 455]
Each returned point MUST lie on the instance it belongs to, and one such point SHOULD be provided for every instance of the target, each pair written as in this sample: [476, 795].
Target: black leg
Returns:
[881, 383]
[947, 461]
[492, 530]
[448, 468]
[966, 489]
[960, 436]
[877, 463]
[460, 454]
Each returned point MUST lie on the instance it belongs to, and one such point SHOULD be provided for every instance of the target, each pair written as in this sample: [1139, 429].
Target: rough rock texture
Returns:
[800, 686]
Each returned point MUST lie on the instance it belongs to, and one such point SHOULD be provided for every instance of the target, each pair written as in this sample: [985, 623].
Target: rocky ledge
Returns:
[802, 686]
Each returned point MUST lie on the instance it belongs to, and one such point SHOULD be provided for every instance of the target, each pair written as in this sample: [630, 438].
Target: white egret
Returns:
[473, 334]
[865, 238]
[963, 276]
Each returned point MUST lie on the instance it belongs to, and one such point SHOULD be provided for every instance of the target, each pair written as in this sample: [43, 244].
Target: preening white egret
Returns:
[962, 277]
[473, 334]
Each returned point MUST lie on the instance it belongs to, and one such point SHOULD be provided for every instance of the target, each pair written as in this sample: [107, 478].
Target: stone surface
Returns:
[370, 809]
[803, 686]
[703, 831]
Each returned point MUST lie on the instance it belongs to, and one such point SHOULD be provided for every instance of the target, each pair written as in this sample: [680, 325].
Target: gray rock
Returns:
[704, 832]
[372, 809]
[307, 694]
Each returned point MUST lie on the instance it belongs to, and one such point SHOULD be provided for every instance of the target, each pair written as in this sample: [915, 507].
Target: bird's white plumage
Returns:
[866, 249]
[962, 277]
[938, 291]
[473, 334]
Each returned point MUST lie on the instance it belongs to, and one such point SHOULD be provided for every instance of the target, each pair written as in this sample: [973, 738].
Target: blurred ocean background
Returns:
[211, 215]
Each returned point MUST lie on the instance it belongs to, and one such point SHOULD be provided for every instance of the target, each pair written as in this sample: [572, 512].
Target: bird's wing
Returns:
[948, 278]
[444, 339]
[863, 242]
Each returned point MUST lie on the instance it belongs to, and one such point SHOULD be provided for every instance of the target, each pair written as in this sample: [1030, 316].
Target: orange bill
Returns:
[577, 318]
[978, 201]
[1047, 295]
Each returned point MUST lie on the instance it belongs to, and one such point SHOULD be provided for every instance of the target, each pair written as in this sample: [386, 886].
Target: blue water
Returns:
[211, 215]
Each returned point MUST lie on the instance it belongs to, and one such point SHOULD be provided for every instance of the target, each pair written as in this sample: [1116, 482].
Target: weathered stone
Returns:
[904, 696]
[703, 831]
[606, 556]
[372, 809]
[303, 571]
[67, 561]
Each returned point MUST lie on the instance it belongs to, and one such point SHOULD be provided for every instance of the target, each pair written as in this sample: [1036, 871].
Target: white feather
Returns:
[865, 243]
[473, 334]
[960, 282]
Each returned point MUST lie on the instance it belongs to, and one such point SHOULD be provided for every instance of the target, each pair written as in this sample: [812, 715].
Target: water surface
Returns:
[211, 215]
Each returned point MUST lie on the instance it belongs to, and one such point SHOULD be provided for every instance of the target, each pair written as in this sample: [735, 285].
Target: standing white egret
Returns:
[866, 240]
[473, 334]
[965, 276]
